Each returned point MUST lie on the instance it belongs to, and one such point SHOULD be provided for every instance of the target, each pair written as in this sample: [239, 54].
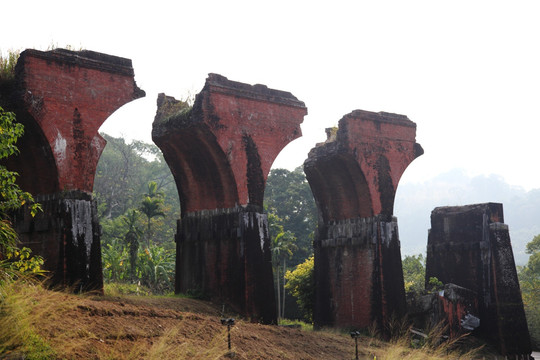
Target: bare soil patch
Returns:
[133, 327]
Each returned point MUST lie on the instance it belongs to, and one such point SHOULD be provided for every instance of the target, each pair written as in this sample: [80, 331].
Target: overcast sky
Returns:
[466, 72]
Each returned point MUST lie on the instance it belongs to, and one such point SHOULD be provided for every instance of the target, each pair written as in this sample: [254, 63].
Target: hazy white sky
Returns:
[467, 72]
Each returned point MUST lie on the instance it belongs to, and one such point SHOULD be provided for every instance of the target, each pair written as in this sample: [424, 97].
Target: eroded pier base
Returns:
[67, 235]
[470, 247]
[358, 282]
[225, 254]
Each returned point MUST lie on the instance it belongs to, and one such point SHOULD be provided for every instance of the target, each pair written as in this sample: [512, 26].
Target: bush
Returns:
[301, 285]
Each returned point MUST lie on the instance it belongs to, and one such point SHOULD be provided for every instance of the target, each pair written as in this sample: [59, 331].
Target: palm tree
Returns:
[131, 238]
[152, 206]
[283, 245]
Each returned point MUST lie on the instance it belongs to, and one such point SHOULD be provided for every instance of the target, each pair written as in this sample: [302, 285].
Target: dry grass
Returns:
[42, 324]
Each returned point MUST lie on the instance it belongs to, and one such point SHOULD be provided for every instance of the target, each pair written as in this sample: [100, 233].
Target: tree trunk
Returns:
[284, 270]
[148, 235]
[278, 291]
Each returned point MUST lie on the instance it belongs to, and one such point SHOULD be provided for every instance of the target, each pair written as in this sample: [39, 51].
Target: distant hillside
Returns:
[415, 201]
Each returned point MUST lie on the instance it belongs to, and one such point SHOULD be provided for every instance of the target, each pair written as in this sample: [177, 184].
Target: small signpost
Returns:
[229, 322]
[355, 335]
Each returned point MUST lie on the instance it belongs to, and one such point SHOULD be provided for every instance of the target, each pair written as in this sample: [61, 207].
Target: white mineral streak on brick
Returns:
[249, 222]
[60, 145]
[261, 219]
[81, 224]
[388, 230]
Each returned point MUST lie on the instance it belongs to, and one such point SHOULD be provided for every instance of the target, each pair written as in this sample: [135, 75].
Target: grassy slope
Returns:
[44, 324]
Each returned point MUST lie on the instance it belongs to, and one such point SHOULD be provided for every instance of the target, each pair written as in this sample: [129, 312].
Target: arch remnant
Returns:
[62, 98]
[220, 152]
[470, 246]
[354, 177]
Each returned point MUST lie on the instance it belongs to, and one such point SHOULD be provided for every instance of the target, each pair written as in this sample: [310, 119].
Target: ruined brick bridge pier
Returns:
[220, 152]
[354, 176]
[62, 98]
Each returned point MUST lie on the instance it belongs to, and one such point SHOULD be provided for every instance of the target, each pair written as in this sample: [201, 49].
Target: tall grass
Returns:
[403, 344]
[18, 335]
[170, 347]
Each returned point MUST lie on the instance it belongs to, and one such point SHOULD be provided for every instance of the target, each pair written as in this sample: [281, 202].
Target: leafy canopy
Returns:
[301, 284]
[414, 272]
[529, 281]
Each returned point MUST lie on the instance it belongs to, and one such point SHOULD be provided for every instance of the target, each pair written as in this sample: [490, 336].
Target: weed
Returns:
[296, 323]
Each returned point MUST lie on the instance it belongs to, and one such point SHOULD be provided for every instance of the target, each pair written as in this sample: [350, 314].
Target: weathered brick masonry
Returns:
[470, 247]
[220, 152]
[62, 98]
[453, 306]
[354, 177]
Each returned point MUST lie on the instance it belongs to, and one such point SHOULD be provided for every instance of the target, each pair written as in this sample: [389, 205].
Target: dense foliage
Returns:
[138, 207]
[414, 273]
[292, 218]
[289, 197]
[529, 279]
[13, 261]
[300, 282]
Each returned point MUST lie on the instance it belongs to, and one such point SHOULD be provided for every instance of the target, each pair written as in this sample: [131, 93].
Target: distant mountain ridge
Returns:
[415, 201]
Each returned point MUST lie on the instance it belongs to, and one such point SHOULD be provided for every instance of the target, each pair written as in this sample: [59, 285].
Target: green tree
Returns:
[14, 262]
[121, 181]
[118, 177]
[533, 247]
[151, 206]
[529, 279]
[289, 194]
[131, 239]
[301, 284]
[283, 245]
[138, 209]
[414, 273]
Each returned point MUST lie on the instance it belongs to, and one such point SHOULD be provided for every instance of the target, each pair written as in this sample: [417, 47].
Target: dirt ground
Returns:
[139, 327]
[95, 327]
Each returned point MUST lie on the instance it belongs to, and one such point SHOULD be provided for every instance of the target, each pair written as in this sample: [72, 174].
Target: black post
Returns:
[355, 335]
[229, 335]
[229, 322]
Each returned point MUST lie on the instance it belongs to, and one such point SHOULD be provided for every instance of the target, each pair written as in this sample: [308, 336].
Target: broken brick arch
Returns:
[62, 98]
[220, 152]
[202, 176]
[340, 189]
[36, 162]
